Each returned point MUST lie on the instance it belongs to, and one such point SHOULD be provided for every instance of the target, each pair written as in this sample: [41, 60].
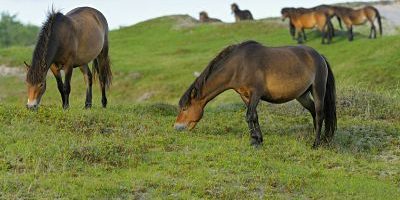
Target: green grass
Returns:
[130, 150]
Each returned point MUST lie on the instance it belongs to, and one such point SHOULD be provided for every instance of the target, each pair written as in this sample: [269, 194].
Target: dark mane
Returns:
[38, 70]
[194, 91]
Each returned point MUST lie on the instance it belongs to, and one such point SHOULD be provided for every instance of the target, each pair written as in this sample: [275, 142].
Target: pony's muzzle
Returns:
[32, 105]
[180, 127]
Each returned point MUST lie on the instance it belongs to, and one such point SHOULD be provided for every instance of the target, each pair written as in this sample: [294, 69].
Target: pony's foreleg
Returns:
[292, 30]
[299, 36]
[67, 85]
[304, 34]
[60, 85]
[89, 81]
[252, 120]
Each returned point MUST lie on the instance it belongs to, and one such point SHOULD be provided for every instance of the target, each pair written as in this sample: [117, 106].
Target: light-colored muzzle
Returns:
[32, 105]
[180, 126]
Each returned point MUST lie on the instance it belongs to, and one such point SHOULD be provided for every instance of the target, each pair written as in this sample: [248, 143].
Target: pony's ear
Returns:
[27, 65]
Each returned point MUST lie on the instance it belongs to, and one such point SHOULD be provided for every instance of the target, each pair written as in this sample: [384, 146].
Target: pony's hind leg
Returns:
[252, 120]
[89, 81]
[60, 85]
[372, 33]
[373, 28]
[318, 96]
[350, 32]
[306, 101]
[103, 67]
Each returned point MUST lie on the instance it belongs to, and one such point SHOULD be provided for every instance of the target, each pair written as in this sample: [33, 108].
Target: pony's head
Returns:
[36, 89]
[203, 15]
[285, 12]
[234, 7]
[191, 109]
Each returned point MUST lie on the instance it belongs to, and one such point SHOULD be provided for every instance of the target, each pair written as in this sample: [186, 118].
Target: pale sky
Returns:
[128, 12]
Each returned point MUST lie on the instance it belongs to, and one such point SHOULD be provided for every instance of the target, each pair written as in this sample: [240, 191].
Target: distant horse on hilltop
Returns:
[360, 16]
[65, 42]
[276, 75]
[241, 15]
[204, 18]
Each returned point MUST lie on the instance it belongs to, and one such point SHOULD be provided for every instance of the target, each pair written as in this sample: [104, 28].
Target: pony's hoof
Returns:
[315, 145]
[65, 107]
[104, 103]
[255, 142]
[88, 106]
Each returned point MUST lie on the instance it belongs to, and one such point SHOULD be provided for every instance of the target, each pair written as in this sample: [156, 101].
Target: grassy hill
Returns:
[130, 149]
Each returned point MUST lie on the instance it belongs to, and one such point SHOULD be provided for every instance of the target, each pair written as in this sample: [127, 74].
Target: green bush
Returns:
[14, 33]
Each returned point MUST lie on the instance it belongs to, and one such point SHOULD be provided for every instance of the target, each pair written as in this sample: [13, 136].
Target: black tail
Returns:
[250, 16]
[330, 104]
[340, 22]
[378, 16]
[101, 66]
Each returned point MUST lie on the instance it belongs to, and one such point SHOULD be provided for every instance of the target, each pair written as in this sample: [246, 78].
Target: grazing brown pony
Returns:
[275, 75]
[302, 18]
[241, 15]
[360, 16]
[65, 42]
[204, 18]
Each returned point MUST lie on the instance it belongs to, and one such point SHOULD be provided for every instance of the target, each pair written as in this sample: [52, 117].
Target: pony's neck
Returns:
[215, 85]
[46, 48]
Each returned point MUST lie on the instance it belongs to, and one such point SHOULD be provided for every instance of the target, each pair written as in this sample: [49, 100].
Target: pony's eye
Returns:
[185, 108]
[41, 85]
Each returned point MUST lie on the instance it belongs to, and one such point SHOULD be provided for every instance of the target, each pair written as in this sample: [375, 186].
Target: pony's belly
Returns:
[359, 20]
[278, 92]
[85, 56]
[309, 24]
[281, 96]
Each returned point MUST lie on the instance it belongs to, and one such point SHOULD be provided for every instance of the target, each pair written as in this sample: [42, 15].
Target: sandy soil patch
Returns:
[11, 71]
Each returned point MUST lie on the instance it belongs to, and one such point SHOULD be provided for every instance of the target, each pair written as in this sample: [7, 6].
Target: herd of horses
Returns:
[317, 17]
[254, 71]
